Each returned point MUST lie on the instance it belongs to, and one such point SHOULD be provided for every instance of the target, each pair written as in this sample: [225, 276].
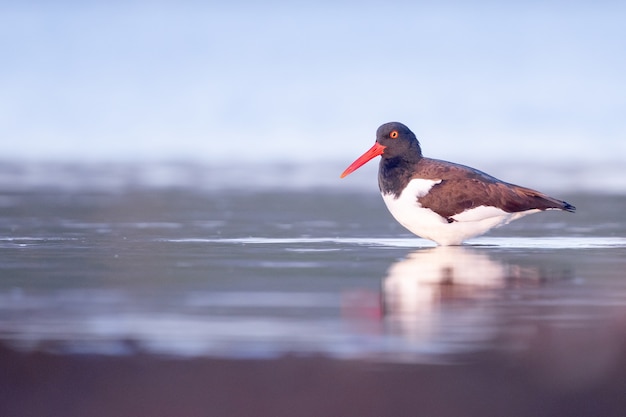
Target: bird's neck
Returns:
[395, 173]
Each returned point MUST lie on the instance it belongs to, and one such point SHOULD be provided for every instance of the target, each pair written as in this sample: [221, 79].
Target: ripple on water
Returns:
[583, 242]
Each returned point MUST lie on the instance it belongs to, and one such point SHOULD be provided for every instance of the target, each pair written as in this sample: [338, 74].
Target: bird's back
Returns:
[462, 188]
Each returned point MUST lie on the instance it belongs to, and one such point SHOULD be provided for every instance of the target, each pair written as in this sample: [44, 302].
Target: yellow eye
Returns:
[393, 134]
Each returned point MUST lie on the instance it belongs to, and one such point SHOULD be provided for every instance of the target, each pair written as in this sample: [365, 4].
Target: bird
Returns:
[443, 201]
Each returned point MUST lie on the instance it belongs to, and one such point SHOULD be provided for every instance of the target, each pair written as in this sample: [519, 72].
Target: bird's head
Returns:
[393, 140]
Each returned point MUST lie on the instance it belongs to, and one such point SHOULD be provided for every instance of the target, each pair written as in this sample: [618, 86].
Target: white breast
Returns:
[430, 225]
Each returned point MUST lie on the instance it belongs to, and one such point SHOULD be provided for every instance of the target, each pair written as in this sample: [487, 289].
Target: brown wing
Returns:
[462, 188]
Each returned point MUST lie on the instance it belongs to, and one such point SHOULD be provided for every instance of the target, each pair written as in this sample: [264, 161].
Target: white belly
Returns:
[429, 225]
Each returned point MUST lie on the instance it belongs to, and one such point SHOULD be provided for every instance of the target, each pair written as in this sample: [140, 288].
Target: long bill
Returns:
[373, 152]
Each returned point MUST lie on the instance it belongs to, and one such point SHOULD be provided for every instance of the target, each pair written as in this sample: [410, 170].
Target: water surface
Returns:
[255, 274]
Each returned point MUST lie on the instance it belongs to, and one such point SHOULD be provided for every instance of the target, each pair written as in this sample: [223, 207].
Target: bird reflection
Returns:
[440, 298]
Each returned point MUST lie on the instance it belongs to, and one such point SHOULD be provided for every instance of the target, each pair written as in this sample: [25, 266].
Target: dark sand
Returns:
[39, 384]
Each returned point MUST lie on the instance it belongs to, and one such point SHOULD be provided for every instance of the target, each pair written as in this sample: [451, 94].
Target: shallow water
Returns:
[254, 274]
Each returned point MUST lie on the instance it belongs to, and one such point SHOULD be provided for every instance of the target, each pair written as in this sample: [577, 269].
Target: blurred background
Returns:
[535, 90]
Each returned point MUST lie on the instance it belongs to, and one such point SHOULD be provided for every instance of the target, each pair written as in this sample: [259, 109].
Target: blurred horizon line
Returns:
[604, 178]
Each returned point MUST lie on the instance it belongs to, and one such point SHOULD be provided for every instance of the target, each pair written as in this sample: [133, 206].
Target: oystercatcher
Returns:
[443, 201]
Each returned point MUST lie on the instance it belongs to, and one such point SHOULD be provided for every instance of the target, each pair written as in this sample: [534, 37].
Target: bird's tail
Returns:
[545, 202]
[532, 199]
[568, 207]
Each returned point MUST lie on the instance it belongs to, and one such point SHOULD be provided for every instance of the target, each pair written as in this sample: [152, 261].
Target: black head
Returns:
[393, 140]
[398, 140]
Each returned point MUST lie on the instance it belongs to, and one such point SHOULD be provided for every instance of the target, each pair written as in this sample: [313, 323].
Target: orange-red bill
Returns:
[373, 152]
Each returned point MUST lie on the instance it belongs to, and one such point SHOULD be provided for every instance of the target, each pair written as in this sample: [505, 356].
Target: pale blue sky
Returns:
[284, 81]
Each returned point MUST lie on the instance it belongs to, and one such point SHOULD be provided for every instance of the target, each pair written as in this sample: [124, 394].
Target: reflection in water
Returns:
[441, 298]
[568, 332]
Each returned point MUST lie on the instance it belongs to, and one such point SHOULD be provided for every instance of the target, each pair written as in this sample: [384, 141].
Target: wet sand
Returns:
[487, 384]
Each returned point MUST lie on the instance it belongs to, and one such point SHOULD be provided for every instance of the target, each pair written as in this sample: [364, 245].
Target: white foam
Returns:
[559, 242]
